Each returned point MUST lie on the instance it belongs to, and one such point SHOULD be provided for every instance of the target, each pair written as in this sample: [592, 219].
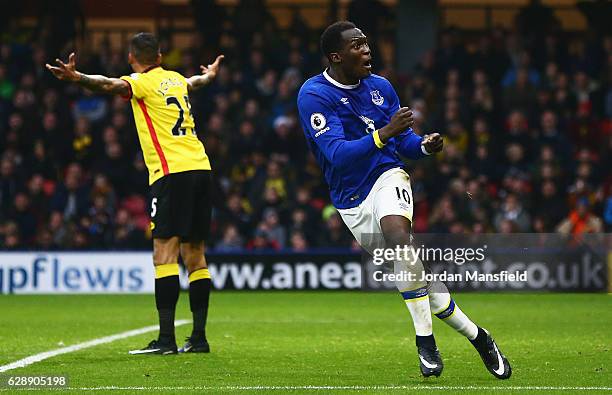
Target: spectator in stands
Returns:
[39, 201]
[125, 234]
[71, 196]
[12, 239]
[550, 206]
[334, 234]
[23, 217]
[9, 184]
[231, 241]
[581, 220]
[512, 210]
[298, 242]
[272, 229]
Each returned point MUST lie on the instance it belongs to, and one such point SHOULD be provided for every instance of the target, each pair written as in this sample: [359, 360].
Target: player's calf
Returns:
[199, 295]
[415, 294]
[444, 307]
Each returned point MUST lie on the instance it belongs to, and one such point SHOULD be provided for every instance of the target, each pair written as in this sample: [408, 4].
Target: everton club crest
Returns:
[377, 98]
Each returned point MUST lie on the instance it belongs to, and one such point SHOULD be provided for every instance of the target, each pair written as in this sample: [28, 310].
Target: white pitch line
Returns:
[332, 388]
[350, 387]
[76, 347]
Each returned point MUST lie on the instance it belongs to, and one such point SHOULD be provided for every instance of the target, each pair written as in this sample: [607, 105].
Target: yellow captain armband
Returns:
[377, 139]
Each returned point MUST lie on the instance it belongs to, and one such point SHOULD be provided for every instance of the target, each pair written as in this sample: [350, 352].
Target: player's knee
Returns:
[194, 263]
[396, 230]
[193, 256]
[194, 260]
[165, 250]
[398, 237]
[162, 258]
[164, 254]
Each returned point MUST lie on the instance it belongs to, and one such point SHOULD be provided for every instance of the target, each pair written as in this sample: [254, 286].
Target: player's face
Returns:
[356, 55]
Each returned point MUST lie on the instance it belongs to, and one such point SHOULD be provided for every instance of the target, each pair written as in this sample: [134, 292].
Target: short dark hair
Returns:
[331, 39]
[145, 48]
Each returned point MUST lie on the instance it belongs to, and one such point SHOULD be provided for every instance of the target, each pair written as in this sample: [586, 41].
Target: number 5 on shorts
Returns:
[153, 207]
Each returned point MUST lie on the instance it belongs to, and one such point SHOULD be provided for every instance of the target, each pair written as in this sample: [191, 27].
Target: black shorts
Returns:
[181, 205]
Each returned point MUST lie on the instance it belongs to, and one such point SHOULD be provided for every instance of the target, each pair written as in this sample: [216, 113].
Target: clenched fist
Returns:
[433, 143]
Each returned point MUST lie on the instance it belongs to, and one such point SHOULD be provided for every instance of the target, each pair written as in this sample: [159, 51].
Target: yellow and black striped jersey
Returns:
[164, 122]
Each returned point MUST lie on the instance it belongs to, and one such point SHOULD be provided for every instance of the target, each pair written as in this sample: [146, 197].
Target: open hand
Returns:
[213, 68]
[65, 71]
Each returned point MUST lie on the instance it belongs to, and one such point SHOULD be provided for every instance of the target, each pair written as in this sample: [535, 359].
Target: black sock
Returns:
[166, 295]
[426, 341]
[481, 339]
[199, 293]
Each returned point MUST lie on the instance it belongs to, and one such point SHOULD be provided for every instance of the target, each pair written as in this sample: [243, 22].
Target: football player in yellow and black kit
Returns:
[179, 175]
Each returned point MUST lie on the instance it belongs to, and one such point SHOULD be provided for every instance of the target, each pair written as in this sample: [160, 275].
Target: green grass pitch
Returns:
[337, 342]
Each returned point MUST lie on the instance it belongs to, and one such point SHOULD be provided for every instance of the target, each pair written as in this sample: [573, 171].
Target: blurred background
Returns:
[521, 91]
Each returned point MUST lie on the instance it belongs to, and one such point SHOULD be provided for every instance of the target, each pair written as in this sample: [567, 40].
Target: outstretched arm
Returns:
[208, 74]
[96, 83]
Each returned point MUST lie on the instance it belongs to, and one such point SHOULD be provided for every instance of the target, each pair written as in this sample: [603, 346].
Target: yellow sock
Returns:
[199, 275]
[166, 270]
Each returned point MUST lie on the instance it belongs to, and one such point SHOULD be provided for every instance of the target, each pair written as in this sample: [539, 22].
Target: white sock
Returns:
[444, 307]
[419, 310]
[416, 297]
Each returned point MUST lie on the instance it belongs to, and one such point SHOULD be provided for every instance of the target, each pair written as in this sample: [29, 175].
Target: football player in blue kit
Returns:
[358, 132]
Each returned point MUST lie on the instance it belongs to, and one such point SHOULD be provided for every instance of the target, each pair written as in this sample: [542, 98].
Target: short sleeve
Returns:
[136, 86]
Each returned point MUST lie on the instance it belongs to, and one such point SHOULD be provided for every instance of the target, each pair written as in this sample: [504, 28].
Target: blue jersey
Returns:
[338, 121]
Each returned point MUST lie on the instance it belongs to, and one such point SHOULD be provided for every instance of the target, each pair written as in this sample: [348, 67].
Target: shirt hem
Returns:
[153, 180]
[357, 202]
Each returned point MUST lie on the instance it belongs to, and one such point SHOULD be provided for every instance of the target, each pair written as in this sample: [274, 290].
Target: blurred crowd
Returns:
[528, 133]
[526, 121]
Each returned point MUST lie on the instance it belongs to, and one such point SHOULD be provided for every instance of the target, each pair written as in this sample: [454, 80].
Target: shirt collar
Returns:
[151, 68]
[336, 83]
